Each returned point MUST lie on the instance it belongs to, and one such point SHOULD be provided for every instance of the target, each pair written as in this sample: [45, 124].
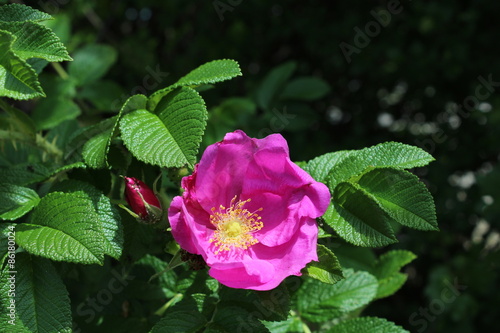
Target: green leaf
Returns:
[33, 40]
[328, 268]
[403, 196]
[16, 201]
[210, 72]
[96, 149]
[17, 79]
[355, 257]
[180, 322]
[235, 319]
[91, 62]
[320, 167]
[25, 174]
[108, 221]
[171, 137]
[358, 218]
[386, 270]
[366, 325]
[291, 325]
[63, 227]
[103, 94]
[19, 121]
[41, 300]
[21, 13]
[274, 304]
[273, 84]
[389, 154]
[318, 302]
[75, 145]
[58, 106]
[305, 88]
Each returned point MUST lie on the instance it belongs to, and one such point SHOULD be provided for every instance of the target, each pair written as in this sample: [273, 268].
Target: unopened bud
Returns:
[142, 200]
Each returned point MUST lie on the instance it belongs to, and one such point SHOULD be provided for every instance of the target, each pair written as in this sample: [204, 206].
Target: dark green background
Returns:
[401, 86]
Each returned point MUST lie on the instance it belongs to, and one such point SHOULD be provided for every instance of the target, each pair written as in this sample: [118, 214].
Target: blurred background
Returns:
[330, 76]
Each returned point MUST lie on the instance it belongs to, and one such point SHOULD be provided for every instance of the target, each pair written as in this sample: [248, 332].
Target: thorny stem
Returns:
[37, 141]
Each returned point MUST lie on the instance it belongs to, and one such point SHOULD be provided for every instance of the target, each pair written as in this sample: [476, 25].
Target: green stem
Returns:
[24, 130]
[164, 308]
[305, 328]
[176, 261]
[48, 147]
[60, 70]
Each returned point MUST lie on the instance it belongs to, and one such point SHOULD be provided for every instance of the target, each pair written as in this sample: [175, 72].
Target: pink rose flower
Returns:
[250, 212]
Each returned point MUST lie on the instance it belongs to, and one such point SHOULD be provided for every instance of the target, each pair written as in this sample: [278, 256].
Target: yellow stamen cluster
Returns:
[234, 226]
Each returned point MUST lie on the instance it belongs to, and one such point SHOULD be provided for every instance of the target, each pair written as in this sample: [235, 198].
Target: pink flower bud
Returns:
[142, 200]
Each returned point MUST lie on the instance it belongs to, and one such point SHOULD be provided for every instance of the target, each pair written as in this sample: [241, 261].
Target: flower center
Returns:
[234, 226]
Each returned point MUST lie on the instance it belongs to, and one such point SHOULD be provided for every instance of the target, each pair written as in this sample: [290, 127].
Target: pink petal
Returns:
[249, 274]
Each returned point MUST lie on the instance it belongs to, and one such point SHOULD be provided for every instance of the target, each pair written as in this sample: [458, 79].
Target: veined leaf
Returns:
[319, 302]
[236, 319]
[403, 196]
[25, 174]
[366, 325]
[389, 154]
[170, 137]
[180, 322]
[278, 298]
[386, 270]
[96, 149]
[41, 300]
[358, 218]
[63, 227]
[58, 106]
[16, 201]
[33, 40]
[21, 13]
[108, 221]
[211, 72]
[291, 325]
[320, 167]
[76, 143]
[327, 269]
[17, 79]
